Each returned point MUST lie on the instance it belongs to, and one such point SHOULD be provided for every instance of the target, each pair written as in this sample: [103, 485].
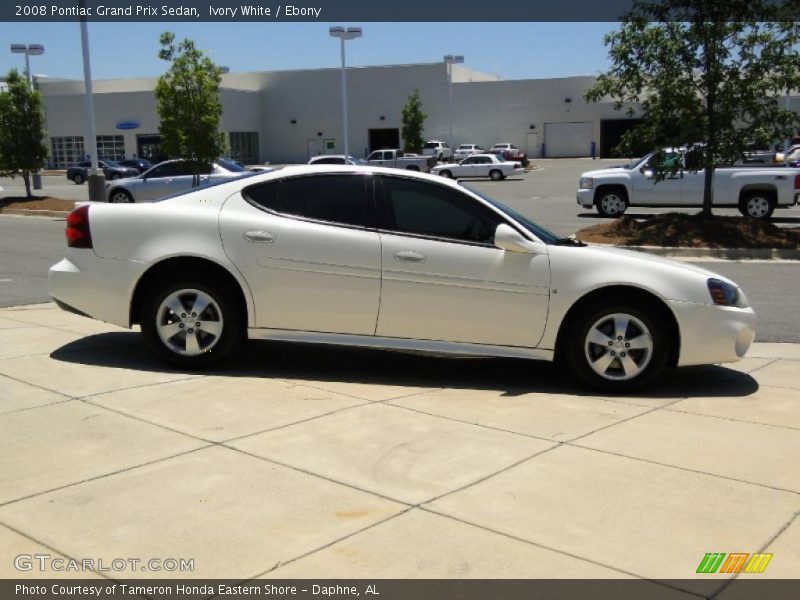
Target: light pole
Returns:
[344, 34]
[450, 60]
[96, 180]
[28, 50]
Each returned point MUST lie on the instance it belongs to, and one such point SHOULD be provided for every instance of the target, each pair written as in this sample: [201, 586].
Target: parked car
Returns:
[509, 151]
[757, 192]
[465, 150]
[391, 259]
[167, 178]
[478, 165]
[792, 154]
[112, 170]
[334, 159]
[400, 160]
[140, 164]
[438, 149]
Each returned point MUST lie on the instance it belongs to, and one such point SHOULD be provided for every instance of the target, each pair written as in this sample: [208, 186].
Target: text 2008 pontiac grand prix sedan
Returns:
[377, 257]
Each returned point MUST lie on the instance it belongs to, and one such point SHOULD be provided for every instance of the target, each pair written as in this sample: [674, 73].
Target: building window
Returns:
[110, 147]
[244, 146]
[66, 151]
[69, 150]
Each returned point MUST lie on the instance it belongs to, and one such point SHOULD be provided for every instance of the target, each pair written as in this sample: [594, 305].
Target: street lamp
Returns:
[344, 34]
[450, 60]
[28, 50]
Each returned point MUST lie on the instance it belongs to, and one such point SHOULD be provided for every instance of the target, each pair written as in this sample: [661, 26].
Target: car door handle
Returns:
[259, 236]
[410, 256]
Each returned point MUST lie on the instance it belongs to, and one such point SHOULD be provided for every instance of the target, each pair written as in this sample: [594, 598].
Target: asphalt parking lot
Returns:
[300, 461]
[317, 462]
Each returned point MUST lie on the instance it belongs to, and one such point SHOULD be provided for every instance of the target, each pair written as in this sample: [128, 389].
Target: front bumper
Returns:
[99, 288]
[586, 198]
[713, 334]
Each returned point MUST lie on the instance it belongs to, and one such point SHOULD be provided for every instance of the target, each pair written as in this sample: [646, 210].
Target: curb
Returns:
[29, 212]
[724, 253]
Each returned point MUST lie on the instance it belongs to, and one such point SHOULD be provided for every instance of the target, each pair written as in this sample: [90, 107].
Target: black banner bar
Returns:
[391, 589]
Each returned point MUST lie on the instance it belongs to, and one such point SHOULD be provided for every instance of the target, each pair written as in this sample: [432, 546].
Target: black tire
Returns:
[412, 168]
[120, 196]
[114, 176]
[230, 319]
[646, 364]
[496, 175]
[757, 205]
[446, 173]
[78, 178]
[611, 202]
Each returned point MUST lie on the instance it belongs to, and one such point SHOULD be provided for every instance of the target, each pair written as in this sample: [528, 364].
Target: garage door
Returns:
[567, 139]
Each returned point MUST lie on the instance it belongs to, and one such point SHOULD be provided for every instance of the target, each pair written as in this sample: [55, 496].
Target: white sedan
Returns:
[392, 259]
[167, 178]
[478, 165]
[465, 150]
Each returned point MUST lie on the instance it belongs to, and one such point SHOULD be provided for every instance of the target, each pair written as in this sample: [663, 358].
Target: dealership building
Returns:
[288, 116]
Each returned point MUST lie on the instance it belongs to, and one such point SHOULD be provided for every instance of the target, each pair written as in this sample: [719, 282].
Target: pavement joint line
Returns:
[102, 476]
[763, 548]
[48, 546]
[298, 382]
[696, 414]
[317, 475]
[332, 543]
[771, 362]
[36, 385]
[504, 534]
[27, 408]
[687, 469]
[481, 425]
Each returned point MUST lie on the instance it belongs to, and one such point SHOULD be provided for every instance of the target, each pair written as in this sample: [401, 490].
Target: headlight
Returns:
[586, 183]
[725, 294]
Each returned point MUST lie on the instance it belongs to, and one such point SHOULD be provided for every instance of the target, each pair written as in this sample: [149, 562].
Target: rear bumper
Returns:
[95, 287]
[713, 334]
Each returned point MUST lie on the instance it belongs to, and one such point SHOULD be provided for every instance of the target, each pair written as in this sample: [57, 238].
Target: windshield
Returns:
[548, 237]
[231, 166]
[212, 183]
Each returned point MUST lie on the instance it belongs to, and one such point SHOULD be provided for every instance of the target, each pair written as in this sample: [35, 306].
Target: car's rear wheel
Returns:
[446, 173]
[757, 205]
[120, 197]
[78, 178]
[618, 347]
[611, 203]
[191, 324]
[495, 175]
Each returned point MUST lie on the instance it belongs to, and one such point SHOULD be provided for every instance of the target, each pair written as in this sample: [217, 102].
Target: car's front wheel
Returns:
[496, 175]
[191, 324]
[78, 178]
[611, 203]
[120, 197]
[446, 173]
[618, 347]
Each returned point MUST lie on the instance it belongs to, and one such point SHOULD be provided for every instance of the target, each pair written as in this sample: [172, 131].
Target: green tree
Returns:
[189, 106]
[22, 149]
[413, 120]
[709, 74]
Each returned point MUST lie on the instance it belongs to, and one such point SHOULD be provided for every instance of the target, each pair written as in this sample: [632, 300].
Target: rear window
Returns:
[430, 145]
[338, 199]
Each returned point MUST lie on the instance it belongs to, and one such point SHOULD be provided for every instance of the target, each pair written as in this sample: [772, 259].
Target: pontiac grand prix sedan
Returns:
[383, 258]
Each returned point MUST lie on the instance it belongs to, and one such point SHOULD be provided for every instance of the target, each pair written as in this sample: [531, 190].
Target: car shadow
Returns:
[328, 363]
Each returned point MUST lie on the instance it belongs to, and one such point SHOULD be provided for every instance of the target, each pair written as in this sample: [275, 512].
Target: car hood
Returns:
[613, 252]
[607, 171]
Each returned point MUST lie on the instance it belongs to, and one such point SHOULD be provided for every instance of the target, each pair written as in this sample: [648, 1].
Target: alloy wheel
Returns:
[189, 322]
[618, 347]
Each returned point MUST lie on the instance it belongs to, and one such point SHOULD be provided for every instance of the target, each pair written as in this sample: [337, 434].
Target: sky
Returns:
[120, 50]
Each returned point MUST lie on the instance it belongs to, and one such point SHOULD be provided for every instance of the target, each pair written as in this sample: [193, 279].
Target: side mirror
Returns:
[509, 239]
[647, 172]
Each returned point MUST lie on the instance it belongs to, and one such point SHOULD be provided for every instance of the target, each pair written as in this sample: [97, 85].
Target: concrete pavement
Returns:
[304, 461]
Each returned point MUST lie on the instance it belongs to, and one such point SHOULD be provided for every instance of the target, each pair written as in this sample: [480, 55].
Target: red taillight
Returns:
[78, 233]
[797, 182]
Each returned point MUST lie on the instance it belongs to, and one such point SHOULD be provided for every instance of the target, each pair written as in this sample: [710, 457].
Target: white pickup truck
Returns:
[756, 191]
[397, 159]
